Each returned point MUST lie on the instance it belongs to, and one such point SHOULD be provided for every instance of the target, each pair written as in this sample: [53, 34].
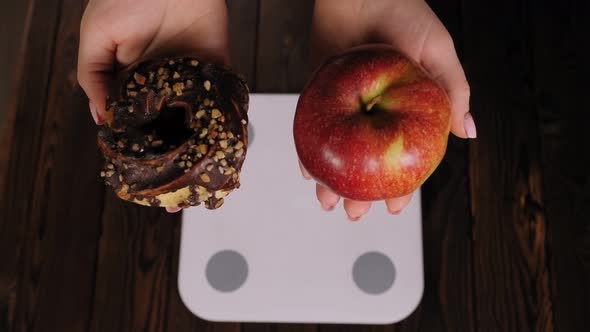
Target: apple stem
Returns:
[372, 103]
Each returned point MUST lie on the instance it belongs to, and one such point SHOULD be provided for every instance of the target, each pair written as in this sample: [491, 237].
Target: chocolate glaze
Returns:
[177, 123]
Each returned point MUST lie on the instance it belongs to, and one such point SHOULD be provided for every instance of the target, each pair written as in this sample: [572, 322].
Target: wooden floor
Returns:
[506, 217]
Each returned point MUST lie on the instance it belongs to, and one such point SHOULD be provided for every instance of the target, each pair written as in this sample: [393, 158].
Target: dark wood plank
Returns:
[243, 26]
[19, 159]
[561, 70]
[134, 268]
[12, 29]
[283, 45]
[56, 270]
[509, 253]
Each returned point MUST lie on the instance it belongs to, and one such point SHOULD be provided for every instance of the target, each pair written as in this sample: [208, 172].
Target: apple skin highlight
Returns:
[371, 124]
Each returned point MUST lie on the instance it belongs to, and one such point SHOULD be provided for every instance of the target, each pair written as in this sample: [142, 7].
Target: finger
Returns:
[172, 209]
[96, 59]
[328, 199]
[396, 205]
[356, 209]
[440, 59]
[304, 172]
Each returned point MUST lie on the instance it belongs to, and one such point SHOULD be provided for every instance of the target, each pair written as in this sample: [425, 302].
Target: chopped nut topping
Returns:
[160, 83]
[209, 167]
[215, 113]
[125, 187]
[214, 134]
[150, 138]
[160, 70]
[176, 75]
[120, 178]
[205, 177]
[223, 135]
[221, 170]
[178, 87]
[223, 144]
[229, 171]
[206, 102]
[203, 148]
[160, 168]
[194, 63]
[110, 166]
[130, 109]
[230, 134]
[239, 145]
[102, 174]
[207, 85]
[131, 93]
[140, 79]
[125, 166]
[244, 121]
[181, 164]
[203, 133]
[219, 154]
[183, 157]
[223, 162]
[157, 143]
[135, 147]
[120, 144]
[110, 173]
[211, 141]
[220, 194]
[171, 62]
[130, 85]
[144, 90]
[200, 114]
[189, 164]
[219, 203]
[239, 153]
[189, 84]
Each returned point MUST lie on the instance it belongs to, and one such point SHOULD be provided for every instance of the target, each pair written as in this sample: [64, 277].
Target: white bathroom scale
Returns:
[271, 254]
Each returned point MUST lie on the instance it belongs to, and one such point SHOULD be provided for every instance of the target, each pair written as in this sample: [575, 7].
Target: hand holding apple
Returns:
[371, 124]
[411, 27]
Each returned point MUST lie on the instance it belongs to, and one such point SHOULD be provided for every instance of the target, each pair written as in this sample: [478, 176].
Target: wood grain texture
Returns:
[561, 70]
[12, 29]
[509, 253]
[57, 264]
[243, 26]
[283, 45]
[18, 169]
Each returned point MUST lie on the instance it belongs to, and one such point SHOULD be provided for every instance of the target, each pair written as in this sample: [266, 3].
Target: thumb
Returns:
[96, 61]
[440, 60]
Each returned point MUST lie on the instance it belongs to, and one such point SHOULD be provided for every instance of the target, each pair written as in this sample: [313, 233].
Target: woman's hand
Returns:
[412, 28]
[115, 34]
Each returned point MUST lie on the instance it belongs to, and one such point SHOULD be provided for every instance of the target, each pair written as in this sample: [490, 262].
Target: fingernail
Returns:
[172, 209]
[354, 218]
[94, 111]
[395, 212]
[327, 207]
[469, 126]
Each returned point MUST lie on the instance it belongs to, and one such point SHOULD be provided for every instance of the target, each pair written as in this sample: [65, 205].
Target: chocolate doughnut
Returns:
[177, 134]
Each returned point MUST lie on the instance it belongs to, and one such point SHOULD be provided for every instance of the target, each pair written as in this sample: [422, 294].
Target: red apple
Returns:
[371, 124]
